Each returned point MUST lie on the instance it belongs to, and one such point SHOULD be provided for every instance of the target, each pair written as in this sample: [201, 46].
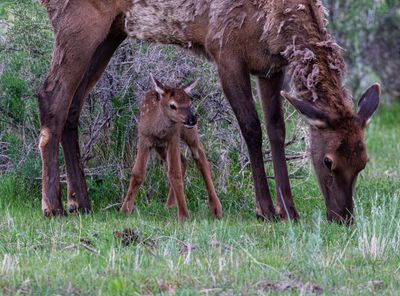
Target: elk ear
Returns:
[368, 103]
[189, 87]
[313, 116]
[158, 86]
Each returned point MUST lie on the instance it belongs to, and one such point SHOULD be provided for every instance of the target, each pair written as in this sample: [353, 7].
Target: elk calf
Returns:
[165, 118]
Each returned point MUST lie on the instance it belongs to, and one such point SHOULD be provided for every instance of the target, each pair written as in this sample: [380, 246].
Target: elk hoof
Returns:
[267, 217]
[72, 208]
[84, 210]
[46, 213]
[53, 213]
[290, 213]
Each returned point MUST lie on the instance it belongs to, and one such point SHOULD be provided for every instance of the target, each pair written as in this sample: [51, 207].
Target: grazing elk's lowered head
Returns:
[338, 150]
[176, 103]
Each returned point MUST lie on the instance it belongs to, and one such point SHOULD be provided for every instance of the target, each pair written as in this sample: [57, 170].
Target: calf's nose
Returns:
[191, 120]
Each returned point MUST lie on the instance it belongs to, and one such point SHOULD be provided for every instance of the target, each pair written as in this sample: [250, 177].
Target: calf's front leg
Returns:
[137, 178]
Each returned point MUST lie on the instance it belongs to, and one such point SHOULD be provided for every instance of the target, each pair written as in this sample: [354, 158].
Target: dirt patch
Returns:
[372, 286]
[24, 289]
[85, 243]
[291, 284]
[70, 289]
[217, 244]
[186, 248]
[129, 236]
[167, 287]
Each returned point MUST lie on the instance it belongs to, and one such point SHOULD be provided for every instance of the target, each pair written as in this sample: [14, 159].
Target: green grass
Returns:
[80, 255]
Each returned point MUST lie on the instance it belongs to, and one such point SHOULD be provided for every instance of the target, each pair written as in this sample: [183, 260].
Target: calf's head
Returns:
[176, 102]
[338, 151]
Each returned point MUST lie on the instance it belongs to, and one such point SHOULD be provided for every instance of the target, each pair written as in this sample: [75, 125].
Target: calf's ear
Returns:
[368, 103]
[190, 86]
[313, 116]
[158, 86]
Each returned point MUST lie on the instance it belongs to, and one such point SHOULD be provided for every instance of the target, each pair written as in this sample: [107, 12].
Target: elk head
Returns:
[176, 102]
[338, 151]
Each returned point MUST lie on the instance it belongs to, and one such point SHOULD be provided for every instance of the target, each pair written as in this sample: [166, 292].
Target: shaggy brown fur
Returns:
[259, 37]
[296, 26]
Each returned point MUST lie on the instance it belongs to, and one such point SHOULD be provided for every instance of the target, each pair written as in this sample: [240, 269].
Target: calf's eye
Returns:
[172, 106]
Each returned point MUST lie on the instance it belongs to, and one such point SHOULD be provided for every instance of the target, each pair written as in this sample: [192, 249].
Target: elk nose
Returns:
[345, 219]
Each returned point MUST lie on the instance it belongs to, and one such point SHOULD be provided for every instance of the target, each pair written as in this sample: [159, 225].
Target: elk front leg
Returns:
[191, 138]
[137, 178]
[269, 90]
[175, 177]
[235, 81]
[171, 195]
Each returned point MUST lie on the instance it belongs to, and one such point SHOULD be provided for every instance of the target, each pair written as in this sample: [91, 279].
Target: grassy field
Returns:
[89, 255]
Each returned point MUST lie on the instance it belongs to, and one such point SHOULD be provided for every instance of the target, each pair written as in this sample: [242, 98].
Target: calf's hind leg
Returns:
[171, 195]
[191, 137]
[175, 177]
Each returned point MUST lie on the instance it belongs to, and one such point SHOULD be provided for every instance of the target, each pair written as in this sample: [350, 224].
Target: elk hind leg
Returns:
[77, 189]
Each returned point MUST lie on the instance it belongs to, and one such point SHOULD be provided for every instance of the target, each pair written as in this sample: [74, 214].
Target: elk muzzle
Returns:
[339, 201]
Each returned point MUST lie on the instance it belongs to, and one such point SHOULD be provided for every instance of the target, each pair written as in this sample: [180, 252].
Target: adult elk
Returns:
[165, 118]
[243, 37]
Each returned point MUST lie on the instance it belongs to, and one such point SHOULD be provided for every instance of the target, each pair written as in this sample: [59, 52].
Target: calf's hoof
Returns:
[125, 209]
[183, 217]
[170, 203]
[216, 210]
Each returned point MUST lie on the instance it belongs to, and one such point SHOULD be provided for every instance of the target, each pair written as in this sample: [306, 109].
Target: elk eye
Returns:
[172, 106]
[328, 163]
